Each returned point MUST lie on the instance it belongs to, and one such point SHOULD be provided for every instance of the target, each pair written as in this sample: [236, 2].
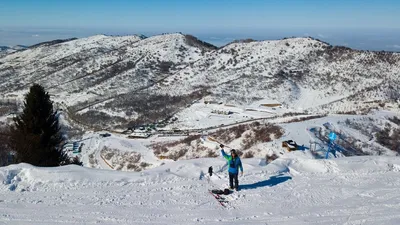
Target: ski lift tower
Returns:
[332, 137]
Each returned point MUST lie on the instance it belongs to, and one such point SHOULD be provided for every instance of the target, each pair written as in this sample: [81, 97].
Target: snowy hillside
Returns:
[301, 72]
[291, 190]
[114, 78]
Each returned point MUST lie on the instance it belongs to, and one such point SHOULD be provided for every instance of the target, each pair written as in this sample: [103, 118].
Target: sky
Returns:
[362, 24]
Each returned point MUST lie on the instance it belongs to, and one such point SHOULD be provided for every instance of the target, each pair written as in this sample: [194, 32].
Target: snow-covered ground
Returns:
[294, 189]
[201, 115]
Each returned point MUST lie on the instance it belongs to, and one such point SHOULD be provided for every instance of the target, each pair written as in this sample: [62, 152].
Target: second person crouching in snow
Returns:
[234, 164]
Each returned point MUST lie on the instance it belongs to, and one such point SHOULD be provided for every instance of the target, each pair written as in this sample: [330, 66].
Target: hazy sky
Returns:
[364, 24]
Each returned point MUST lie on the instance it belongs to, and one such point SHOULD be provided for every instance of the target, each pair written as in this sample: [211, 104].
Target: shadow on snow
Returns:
[272, 181]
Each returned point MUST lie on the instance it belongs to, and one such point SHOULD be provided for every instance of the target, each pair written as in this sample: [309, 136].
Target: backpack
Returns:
[217, 191]
[226, 191]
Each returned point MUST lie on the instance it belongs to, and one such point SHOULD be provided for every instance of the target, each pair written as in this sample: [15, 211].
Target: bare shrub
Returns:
[159, 148]
[133, 157]
[132, 167]
[188, 140]
[248, 154]
[92, 160]
[347, 112]
[293, 114]
[389, 138]
[248, 141]
[162, 148]
[270, 158]
[301, 119]
[118, 167]
[229, 134]
[109, 155]
[211, 154]
[395, 120]
[119, 158]
[144, 164]
[98, 119]
[256, 133]
[153, 107]
[178, 154]
[252, 134]
[239, 130]
[165, 66]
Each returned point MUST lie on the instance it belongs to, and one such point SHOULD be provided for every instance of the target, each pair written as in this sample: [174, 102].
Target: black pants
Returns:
[233, 176]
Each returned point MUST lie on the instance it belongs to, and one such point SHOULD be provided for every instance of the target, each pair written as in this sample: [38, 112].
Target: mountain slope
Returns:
[115, 78]
[300, 71]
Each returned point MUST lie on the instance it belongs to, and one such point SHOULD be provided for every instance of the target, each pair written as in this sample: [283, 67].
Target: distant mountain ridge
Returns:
[49, 43]
[4, 50]
[102, 73]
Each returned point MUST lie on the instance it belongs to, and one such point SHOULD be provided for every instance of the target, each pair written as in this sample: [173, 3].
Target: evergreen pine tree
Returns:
[36, 136]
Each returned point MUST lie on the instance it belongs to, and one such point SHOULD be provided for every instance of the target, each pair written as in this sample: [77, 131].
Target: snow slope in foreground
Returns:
[292, 190]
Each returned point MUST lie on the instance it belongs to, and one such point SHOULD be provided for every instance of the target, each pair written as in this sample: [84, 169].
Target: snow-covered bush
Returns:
[270, 158]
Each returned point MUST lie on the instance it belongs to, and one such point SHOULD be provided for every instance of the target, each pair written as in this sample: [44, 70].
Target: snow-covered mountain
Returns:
[4, 50]
[303, 72]
[113, 76]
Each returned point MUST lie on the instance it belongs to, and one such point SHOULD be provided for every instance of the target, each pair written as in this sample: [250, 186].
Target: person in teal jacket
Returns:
[234, 164]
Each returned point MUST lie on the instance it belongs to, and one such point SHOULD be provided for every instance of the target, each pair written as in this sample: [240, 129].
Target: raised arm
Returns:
[223, 152]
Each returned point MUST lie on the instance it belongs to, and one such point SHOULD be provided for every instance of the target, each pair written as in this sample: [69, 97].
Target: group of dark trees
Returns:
[390, 136]
[35, 136]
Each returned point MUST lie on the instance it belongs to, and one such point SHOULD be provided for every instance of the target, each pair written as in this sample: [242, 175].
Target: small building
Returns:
[105, 135]
[270, 103]
[139, 135]
[290, 145]
[128, 131]
[230, 105]
[161, 125]
[209, 100]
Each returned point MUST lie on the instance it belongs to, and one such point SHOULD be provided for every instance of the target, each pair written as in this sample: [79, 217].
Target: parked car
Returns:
[290, 145]
[105, 135]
